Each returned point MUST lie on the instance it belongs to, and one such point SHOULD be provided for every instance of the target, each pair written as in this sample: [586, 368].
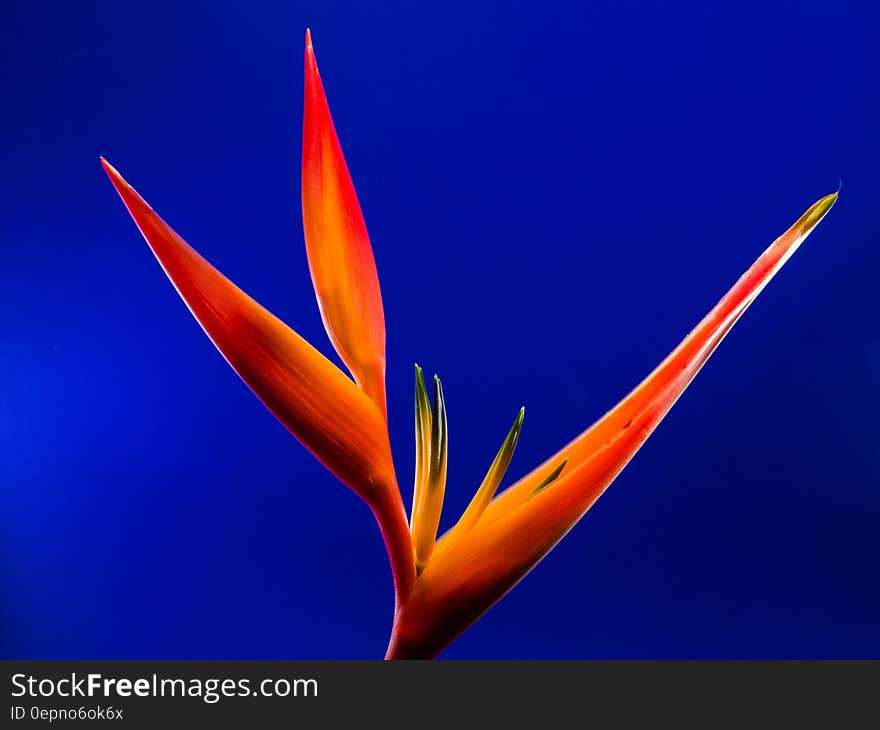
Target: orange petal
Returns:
[658, 392]
[338, 247]
[428, 501]
[474, 570]
[315, 400]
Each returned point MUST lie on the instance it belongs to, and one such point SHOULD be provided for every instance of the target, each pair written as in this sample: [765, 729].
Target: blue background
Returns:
[577, 182]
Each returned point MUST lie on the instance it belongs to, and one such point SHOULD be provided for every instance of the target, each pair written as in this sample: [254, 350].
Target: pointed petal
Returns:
[340, 257]
[659, 391]
[493, 477]
[423, 447]
[427, 519]
[520, 527]
[333, 419]
[550, 478]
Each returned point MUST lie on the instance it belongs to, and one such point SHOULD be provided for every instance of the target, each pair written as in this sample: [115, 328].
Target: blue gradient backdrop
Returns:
[556, 192]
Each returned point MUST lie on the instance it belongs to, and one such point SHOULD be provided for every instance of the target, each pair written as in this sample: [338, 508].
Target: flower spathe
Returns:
[441, 585]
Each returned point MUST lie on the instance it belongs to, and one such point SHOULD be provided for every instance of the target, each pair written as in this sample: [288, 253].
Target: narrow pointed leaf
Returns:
[315, 400]
[340, 256]
[493, 477]
[473, 572]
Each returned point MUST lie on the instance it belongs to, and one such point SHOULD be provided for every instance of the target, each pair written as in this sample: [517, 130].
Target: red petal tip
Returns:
[310, 49]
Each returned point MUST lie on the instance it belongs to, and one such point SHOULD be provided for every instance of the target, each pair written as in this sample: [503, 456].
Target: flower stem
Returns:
[391, 517]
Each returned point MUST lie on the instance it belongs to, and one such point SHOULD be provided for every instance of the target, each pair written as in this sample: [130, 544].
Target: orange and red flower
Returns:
[441, 585]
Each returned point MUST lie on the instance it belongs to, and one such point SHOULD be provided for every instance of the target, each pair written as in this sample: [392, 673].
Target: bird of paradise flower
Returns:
[441, 585]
